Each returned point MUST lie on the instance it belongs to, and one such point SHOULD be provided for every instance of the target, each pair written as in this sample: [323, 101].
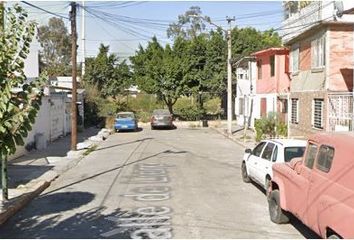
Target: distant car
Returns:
[319, 187]
[126, 121]
[257, 163]
[161, 118]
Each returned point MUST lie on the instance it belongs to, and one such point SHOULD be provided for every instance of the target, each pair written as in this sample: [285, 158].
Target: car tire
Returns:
[152, 128]
[244, 173]
[277, 215]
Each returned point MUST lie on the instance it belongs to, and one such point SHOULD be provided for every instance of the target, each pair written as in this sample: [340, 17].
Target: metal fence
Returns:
[340, 111]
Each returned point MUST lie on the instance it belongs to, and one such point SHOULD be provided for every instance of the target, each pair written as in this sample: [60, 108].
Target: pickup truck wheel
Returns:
[245, 176]
[277, 214]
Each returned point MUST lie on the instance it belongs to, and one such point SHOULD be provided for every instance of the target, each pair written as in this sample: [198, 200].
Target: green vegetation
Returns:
[270, 127]
[19, 99]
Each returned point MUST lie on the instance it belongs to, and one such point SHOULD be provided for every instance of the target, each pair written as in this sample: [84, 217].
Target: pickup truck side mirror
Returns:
[248, 150]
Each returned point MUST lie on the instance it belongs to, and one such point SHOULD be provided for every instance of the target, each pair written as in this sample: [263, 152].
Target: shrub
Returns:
[269, 127]
[213, 106]
[187, 110]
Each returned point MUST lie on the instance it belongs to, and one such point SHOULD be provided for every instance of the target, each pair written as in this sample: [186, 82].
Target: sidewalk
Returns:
[32, 173]
[239, 136]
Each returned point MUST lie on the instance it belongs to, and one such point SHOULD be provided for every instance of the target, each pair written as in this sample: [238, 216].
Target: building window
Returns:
[272, 65]
[294, 58]
[241, 106]
[318, 51]
[325, 158]
[284, 105]
[294, 110]
[259, 68]
[317, 113]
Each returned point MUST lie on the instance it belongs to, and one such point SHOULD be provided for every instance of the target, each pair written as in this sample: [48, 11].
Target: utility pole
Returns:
[83, 42]
[74, 71]
[4, 174]
[229, 77]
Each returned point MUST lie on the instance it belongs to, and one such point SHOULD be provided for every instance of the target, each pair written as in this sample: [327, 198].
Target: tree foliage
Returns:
[189, 25]
[20, 98]
[56, 43]
[109, 75]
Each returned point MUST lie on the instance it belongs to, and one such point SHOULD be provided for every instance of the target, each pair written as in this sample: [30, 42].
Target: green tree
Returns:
[109, 75]
[189, 25]
[19, 99]
[159, 70]
[56, 43]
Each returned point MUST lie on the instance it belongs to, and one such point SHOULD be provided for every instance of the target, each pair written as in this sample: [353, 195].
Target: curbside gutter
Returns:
[220, 131]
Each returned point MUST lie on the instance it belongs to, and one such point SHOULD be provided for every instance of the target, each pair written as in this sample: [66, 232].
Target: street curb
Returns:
[22, 201]
[229, 137]
[43, 182]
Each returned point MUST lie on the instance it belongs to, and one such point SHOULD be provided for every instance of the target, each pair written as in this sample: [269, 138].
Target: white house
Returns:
[246, 108]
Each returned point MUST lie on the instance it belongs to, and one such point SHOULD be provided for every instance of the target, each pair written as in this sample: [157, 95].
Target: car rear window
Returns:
[293, 152]
[325, 158]
[125, 115]
[161, 112]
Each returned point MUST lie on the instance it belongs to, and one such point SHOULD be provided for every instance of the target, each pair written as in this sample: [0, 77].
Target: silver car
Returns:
[161, 118]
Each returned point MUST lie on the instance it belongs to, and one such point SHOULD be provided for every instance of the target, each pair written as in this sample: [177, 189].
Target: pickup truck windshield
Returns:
[293, 152]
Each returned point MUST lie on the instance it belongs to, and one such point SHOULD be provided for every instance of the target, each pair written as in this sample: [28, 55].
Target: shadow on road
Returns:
[303, 229]
[117, 168]
[22, 174]
[122, 144]
[43, 219]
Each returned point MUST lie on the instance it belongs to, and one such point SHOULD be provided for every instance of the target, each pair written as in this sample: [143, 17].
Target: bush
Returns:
[186, 110]
[269, 127]
[213, 106]
[143, 105]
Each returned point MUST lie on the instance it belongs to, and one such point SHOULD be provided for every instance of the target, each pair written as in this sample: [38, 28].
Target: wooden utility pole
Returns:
[4, 173]
[74, 71]
[229, 77]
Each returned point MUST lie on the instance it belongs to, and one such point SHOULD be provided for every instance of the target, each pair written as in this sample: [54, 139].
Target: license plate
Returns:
[124, 126]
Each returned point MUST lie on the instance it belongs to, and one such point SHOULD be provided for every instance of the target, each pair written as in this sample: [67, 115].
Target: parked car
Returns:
[126, 121]
[257, 163]
[161, 118]
[319, 187]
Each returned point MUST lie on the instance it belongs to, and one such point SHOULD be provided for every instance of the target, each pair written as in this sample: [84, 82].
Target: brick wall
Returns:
[305, 55]
[304, 127]
[341, 58]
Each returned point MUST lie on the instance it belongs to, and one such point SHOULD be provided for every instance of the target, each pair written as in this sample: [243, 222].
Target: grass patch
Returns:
[90, 150]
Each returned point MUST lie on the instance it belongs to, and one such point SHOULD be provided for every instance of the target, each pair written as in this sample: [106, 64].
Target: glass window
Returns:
[310, 155]
[259, 68]
[268, 150]
[125, 115]
[294, 58]
[325, 158]
[293, 152]
[318, 51]
[258, 150]
[294, 110]
[275, 154]
[272, 65]
[317, 113]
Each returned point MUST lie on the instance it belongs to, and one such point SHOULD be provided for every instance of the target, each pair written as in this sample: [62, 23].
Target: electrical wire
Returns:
[44, 10]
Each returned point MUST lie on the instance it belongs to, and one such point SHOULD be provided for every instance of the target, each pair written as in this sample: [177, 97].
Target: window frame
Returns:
[318, 52]
[275, 153]
[307, 154]
[295, 65]
[271, 154]
[259, 69]
[320, 167]
[260, 153]
[295, 119]
[313, 115]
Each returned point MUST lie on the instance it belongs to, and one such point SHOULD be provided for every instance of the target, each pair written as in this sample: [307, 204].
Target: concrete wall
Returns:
[52, 121]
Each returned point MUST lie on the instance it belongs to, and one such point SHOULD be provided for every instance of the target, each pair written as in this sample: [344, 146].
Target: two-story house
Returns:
[272, 84]
[320, 37]
[246, 108]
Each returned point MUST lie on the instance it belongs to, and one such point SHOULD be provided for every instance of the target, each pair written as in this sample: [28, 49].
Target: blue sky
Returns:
[124, 37]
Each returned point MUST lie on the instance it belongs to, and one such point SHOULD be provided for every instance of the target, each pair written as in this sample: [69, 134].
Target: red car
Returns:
[319, 187]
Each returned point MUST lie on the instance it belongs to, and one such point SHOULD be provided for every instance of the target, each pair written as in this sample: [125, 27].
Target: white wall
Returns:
[32, 61]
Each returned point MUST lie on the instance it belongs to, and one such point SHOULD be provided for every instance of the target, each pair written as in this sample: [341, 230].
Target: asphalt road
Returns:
[182, 183]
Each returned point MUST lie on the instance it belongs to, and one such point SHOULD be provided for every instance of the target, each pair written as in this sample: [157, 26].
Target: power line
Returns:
[44, 10]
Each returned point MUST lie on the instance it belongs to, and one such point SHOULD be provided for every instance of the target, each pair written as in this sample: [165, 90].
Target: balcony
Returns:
[299, 17]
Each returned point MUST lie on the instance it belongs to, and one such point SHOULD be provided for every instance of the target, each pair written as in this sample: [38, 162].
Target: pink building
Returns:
[273, 82]
[321, 68]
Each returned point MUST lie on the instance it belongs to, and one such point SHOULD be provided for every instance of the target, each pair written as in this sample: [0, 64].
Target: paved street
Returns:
[182, 183]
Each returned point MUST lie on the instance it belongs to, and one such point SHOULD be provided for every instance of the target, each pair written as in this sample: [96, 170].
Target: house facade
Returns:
[321, 68]
[246, 108]
[272, 82]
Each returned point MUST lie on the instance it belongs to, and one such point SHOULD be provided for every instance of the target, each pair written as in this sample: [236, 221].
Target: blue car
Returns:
[126, 121]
